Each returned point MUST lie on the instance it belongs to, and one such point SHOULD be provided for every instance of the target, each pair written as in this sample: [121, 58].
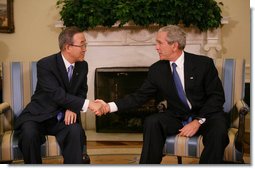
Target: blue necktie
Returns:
[60, 116]
[178, 85]
[180, 91]
[70, 72]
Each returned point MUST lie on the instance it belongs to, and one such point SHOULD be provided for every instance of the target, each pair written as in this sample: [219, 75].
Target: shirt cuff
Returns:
[85, 106]
[113, 107]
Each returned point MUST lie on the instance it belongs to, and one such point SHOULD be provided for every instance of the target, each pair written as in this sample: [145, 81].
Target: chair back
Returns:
[232, 74]
[19, 83]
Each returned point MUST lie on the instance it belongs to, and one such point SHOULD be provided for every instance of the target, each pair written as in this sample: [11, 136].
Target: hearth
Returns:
[112, 83]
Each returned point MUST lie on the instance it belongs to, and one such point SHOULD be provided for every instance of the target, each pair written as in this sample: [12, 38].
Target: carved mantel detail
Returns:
[207, 43]
[213, 45]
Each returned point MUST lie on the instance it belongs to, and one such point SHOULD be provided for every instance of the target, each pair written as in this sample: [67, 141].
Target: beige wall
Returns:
[236, 34]
[35, 35]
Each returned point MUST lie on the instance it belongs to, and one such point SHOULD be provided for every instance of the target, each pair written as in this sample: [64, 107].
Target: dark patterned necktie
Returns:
[70, 72]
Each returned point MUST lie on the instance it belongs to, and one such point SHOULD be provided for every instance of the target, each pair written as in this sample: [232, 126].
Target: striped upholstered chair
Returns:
[19, 82]
[232, 74]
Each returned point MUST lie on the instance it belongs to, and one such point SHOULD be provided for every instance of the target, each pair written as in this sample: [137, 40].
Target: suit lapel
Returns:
[189, 67]
[170, 80]
[75, 76]
[62, 70]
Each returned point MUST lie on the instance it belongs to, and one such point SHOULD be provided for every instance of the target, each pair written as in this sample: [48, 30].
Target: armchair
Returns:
[19, 82]
[232, 75]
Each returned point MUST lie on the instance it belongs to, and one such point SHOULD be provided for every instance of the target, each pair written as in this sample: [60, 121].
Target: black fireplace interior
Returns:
[116, 82]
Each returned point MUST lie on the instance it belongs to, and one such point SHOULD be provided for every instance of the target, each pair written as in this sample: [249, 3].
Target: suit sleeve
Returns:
[214, 93]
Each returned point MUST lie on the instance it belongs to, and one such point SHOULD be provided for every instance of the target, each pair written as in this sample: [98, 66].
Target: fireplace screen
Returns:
[116, 82]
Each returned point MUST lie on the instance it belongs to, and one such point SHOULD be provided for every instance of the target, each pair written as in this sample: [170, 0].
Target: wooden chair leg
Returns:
[179, 159]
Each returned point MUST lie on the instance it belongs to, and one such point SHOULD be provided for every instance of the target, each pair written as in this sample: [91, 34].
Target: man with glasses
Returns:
[59, 98]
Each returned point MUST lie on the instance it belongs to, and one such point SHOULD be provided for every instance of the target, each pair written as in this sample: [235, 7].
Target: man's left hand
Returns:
[70, 117]
[190, 129]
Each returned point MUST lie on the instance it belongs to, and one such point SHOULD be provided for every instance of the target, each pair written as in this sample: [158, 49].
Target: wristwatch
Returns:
[201, 120]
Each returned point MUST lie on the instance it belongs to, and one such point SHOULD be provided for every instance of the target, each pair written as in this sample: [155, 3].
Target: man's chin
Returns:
[162, 58]
[82, 59]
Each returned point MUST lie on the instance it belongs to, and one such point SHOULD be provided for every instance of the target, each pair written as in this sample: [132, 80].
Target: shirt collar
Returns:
[180, 61]
[67, 64]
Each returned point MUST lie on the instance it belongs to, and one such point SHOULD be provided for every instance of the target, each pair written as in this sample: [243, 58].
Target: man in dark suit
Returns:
[194, 94]
[59, 98]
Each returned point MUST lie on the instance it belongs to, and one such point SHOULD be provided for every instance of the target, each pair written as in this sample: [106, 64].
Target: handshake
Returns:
[99, 107]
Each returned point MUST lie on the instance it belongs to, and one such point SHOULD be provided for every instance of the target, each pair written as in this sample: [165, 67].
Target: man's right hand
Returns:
[93, 106]
[104, 109]
[70, 117]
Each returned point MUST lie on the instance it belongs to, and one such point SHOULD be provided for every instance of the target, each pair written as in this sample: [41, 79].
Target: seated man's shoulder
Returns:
[200, 58]
[47, 59]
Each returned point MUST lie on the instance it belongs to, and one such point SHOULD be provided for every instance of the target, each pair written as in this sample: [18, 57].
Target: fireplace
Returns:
[114, 83]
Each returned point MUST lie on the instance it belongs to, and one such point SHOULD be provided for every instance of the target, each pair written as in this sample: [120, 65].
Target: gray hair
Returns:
[66, 36]
[175, 34]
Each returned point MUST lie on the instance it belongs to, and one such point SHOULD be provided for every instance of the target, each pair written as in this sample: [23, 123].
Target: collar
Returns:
[67, 64]
[180, 61]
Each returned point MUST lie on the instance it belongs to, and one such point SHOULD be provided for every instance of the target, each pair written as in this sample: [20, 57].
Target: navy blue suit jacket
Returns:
[54, 92]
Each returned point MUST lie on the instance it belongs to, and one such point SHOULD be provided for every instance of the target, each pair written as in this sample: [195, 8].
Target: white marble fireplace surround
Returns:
[130, 46]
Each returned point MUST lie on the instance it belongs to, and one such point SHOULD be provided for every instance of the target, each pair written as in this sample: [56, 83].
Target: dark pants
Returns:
[158, 126]
[70, 138]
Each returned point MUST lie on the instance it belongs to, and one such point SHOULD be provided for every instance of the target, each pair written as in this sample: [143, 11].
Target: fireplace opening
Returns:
[114, 83]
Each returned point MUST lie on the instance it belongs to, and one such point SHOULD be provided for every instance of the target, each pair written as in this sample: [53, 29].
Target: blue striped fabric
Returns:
[228, 82]
[192, 146]
[17, 88]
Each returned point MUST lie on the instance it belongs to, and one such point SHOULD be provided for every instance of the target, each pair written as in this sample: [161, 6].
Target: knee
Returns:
[75, 129]
[151, 121]
[30, 137]
[29, 133]
[216, 135]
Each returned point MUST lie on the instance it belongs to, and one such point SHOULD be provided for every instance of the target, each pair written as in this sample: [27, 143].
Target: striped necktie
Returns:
[70, 72]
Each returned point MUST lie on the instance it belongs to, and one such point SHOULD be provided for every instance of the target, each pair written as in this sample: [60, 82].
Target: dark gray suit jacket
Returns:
[202, 86]
[54, 92]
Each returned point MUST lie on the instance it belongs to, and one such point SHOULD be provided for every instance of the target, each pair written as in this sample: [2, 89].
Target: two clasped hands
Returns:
[99, 107]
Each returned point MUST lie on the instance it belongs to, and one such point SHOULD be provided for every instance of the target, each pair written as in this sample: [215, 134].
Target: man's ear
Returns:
[67, 47]
[175, 46]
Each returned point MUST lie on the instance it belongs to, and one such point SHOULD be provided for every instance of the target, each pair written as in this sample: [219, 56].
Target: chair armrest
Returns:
[4, 107]
[243, 110]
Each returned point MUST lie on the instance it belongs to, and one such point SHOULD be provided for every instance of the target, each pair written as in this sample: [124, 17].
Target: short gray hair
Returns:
[66, 36]
[175, 34]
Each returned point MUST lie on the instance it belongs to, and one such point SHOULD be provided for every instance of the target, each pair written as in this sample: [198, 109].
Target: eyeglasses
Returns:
[80, 46]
